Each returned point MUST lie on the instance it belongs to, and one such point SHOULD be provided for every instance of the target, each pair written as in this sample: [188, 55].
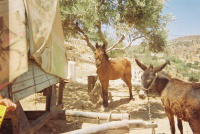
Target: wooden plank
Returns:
[20, 123]
[40, 79]
[24, 93]
[4, 92]
[28, 83]
[48, 98]
[49, 76]
[53, 98]
[31, 90]
[60, 93]
[33, 115]
[22, 85]
[38, 72]
[30, 65]
[35, 66]
[54, 81]
[42, 120]
[25, 76]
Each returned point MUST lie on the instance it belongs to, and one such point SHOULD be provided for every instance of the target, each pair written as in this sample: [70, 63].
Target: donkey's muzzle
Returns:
[98, 63]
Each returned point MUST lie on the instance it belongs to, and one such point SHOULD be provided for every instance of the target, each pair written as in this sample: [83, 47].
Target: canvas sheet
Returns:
[13, 43]
[46, 36]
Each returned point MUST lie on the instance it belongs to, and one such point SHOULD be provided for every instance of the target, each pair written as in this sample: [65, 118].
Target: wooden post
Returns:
[60, 94]
[91, 82]
[20, 123]
[50, 98]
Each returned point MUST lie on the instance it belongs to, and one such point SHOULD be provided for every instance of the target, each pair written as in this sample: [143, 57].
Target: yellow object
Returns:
[2, 113]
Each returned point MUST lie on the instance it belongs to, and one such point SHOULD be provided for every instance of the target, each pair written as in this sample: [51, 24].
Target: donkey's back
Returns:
[183, 99]
[119, 68]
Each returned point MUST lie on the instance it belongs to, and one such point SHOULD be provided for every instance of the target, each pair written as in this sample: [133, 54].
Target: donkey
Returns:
[179, 98]
[111, 70]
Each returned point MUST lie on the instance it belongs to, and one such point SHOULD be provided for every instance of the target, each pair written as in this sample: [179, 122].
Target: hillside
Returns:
[186, 48]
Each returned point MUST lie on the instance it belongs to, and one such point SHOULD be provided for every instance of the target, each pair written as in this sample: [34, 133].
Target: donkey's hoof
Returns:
[105, 105]
[131, 98]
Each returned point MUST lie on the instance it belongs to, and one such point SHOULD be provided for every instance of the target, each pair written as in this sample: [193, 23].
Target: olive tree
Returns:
[129, 18]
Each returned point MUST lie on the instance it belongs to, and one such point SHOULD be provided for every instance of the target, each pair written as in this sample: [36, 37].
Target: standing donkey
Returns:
[111, 70]
[179, 98]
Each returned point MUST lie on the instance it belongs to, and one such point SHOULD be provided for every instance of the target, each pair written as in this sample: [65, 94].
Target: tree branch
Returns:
[86, 37]
[111, 48]
[101, 34]
[125, 46]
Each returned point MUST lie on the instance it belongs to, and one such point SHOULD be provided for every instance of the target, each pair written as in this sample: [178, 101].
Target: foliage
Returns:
[194, 77]
[158, 41]
[138, 18]
[188, 65]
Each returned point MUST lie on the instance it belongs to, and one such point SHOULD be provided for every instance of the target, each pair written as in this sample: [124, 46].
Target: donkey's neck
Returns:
[104, 65]
[161, 83]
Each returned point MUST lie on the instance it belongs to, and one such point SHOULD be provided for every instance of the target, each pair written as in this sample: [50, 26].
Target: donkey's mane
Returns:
[106, 56]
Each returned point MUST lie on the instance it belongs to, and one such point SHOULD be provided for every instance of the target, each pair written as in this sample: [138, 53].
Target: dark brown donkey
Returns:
[111, 70]
[179, 98]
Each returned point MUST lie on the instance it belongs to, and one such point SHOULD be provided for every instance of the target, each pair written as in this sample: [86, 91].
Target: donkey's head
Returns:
[150, 73]
[100, 54]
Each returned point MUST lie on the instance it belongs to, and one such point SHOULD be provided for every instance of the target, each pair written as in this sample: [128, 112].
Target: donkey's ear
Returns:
[159, 68]
[97, 45]
[142, 66]
[151, 66]
[104, 47]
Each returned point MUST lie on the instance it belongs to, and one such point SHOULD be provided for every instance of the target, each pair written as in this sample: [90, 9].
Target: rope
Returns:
[76, 121]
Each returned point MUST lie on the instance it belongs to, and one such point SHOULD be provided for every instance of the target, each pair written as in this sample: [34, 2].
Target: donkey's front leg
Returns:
[103, 96]
[105, 93]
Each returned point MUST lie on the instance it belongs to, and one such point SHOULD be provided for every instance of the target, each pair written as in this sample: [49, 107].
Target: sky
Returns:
[187, 14]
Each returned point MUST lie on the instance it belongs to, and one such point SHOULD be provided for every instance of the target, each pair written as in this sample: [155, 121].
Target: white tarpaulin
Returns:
[13, 43]
[41, 33]
[46, 36]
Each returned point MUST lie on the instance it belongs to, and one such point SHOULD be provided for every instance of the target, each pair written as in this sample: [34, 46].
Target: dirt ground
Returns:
[76, 98]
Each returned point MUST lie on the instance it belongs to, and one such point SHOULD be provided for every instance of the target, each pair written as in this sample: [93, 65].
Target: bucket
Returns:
[71, 71]
[91, 82]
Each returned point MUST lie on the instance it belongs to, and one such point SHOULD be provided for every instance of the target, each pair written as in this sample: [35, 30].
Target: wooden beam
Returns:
[53, 98]
[20, 123]
[44, 118]
[33, 115]
[48, 98]
[95, 115]
[103, 128]
[115, 126]
[60, 94]
[41, 121]
[33, 89]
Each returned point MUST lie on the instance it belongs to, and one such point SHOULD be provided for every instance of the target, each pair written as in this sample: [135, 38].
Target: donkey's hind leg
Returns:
[180, 125]
[127, 79]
